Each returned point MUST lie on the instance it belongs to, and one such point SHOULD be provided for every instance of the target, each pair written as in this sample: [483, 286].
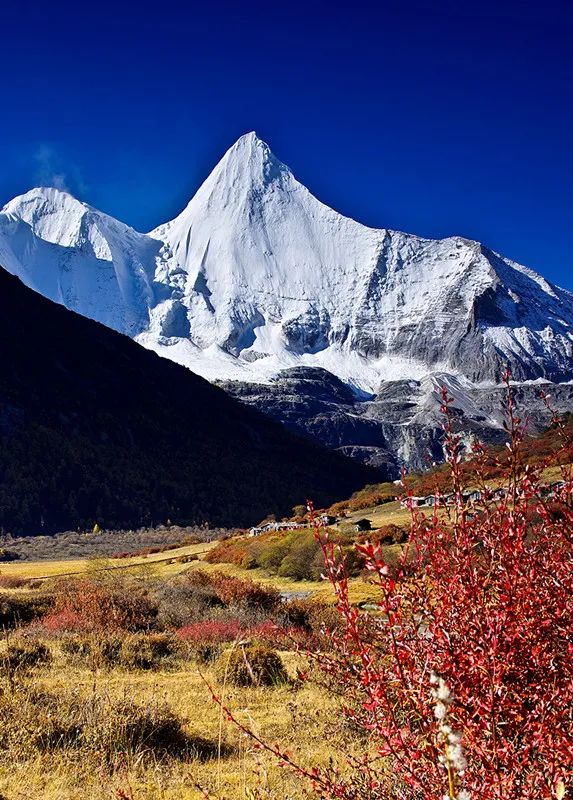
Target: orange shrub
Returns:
[227, 552]
[12, 582]
[88, 605]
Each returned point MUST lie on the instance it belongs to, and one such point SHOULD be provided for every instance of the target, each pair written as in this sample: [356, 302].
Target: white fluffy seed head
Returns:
[442, 692]
[456, 758]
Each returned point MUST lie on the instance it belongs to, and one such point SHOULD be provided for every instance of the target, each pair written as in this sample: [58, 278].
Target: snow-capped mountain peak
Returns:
[246, 168]
[257, 275]
[249, 162]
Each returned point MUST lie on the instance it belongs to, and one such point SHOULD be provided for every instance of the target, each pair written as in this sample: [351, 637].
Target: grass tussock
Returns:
[22, 655]
[38, 720]
[252, 665]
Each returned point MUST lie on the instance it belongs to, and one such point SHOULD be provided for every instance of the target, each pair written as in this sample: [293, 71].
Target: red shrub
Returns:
[227, 552]
[236, 591]
[265, 631]
[211, 632]
[12, 582]
[463, 682]
[387, 534]
[65, 620]
[88, 605]
[221, 631]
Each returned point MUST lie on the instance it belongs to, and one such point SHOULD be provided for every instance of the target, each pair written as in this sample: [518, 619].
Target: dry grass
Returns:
[47, 569]
[303, 716]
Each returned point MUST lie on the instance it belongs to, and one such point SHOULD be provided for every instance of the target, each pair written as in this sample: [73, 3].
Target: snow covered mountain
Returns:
[272, 278]
[81, 258]
[257, 276]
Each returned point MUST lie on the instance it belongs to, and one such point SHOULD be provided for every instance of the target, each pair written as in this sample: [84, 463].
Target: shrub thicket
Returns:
[90, 605]
[252, 665]
[294, 555]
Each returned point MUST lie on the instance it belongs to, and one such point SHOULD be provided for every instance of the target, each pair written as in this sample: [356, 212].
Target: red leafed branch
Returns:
[463, 677]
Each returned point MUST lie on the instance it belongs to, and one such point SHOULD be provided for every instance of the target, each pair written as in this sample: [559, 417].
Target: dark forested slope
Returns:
[94, 427]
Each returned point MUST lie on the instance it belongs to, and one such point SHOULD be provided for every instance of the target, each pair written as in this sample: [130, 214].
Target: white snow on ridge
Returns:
[256, 275]
[80, 257]
[214, 363]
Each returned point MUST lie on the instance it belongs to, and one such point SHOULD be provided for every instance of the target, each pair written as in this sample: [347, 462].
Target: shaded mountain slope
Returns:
[94, 427]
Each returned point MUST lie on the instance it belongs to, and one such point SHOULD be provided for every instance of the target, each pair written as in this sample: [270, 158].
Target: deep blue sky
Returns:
[438, 118]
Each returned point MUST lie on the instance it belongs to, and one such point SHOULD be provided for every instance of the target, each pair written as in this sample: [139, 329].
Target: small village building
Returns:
[413, 502]
[472, 497]
[275, 526]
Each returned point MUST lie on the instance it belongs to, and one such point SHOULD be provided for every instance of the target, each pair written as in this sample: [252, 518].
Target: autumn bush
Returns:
[89, 605]
[303, 559]
[13, 582]
[387, 534]
[204, 640]
[211, 631]
[267, 632]
[186, 599]
[252, 665]
[462, 681]
[236, 592]
[228, 552]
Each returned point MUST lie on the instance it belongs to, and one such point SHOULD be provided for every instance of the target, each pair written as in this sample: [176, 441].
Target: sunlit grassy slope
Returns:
[46, 569]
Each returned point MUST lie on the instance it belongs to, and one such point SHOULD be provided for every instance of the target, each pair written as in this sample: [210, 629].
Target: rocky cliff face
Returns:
[256, 277]
[400, 425]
